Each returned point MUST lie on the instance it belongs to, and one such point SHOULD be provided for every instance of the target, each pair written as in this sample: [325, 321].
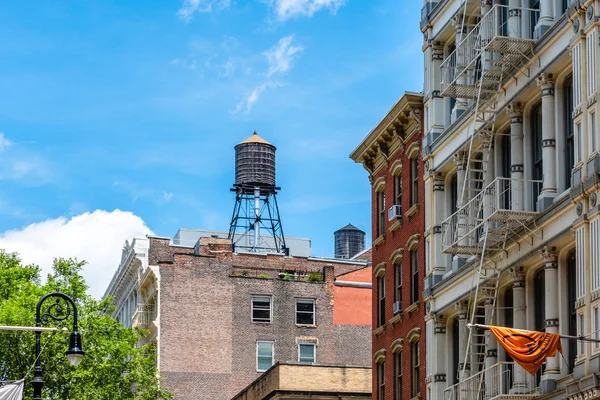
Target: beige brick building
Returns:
[316, 382]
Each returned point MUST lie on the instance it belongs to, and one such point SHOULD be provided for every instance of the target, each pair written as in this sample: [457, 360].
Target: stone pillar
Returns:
[439, 199]
[462, 219]
[491, 355]
[461, 62]
[440, 376]
[548, 192]
[437, 115]
[514, 18]
[516, 157]
[520, 320]
[546, 19]
[463, 338]
[552, 372]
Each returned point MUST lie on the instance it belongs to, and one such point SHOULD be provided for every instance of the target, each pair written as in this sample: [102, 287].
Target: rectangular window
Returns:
[261, 309]
[381, 211]
[416, 369]
[380, 381]
[306, 353]
[381, 294]
[398, 279]
[398, 368]
[398, 190]
[414, 266]
[578, 142]
[569, 136]
[596, 328]
[414, 173]
[536, 150]
[305, 312]
[264, 356]
[593, 131]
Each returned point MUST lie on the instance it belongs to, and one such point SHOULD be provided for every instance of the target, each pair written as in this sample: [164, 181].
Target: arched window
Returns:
[536, 151]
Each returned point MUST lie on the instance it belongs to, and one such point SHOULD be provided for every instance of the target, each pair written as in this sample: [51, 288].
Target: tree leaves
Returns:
[114, 367]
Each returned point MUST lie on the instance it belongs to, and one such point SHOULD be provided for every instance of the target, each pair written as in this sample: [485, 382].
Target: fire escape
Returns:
[491, 213]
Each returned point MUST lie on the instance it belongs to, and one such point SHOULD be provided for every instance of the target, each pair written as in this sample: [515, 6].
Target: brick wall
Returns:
[207, 341]
[382, 253]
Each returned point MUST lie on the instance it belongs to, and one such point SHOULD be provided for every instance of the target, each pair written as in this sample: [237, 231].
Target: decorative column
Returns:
[439, 199]
[460, 159]
[461, 63]
[491, 355]
[516, 156]
[546, 19]
[439, 355]
[552, 372]
[519, 320]
[462, 307]
[514, 18]
[548, 193]
[436, 113]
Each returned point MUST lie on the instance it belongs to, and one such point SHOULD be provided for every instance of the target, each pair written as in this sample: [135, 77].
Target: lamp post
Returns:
[57, 312]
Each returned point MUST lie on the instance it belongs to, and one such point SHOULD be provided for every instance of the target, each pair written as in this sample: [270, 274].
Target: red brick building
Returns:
[391, 153]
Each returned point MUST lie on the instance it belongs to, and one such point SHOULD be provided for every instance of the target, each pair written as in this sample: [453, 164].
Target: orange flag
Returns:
[528, 348]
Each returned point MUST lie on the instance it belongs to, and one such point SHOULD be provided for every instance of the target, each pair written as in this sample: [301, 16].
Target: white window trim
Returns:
[272, 354]
[596, 328]
[314, 347]
[314, 312]
[270, 309]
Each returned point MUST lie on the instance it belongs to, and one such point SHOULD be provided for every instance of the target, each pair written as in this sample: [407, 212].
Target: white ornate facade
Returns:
[512, 153]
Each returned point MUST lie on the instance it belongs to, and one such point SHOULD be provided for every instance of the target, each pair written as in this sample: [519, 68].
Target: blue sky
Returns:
[136, 106]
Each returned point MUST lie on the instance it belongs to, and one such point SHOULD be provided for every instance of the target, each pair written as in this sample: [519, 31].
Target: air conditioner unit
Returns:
[394, 212]
[397, 307]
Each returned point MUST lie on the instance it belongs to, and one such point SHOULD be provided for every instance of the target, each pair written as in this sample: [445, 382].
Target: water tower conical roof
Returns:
[349, 227]
[256, 139]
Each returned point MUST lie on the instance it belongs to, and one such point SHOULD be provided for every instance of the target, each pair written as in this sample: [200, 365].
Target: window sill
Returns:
[417, 397]
[379, 330]
[379, 240]
[396, 319]
[306, 326]
[396, 225]
[412, 210]
[262, 322]
[412, 308]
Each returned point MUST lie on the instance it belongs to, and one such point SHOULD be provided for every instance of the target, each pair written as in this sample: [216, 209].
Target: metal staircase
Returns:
[489, 216]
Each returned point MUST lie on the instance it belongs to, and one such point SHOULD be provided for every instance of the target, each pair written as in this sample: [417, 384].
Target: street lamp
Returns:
[56, 312]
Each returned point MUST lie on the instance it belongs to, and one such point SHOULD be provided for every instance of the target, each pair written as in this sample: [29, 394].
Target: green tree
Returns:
[114, 366]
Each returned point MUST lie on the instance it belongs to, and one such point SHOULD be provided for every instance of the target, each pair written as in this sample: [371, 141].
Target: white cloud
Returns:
[280, 58]
[167, 196]
[190, 7]
[95, 237]
[4, 142]
[289, 9]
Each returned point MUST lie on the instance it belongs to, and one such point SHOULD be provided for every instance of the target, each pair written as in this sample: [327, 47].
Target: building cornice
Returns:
[405, 115]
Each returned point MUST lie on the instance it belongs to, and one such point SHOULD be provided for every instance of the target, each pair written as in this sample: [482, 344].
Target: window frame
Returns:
[537, 158]
[398, 282]
[272, 343]
[381, 301]
[381, 380]
[569, 128]
[398, 190]
[414, 276]
[381, 213]
[414, 183]
[313, 312]
[314, 353]
[252, 309]
[415, 378]
[398, 376]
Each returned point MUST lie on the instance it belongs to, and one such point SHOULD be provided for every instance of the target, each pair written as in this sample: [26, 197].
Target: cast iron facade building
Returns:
[512, 227]
[391, 153]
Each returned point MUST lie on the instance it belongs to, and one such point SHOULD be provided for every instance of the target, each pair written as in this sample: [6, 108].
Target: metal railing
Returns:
[502, 201]
[500, 22]
[490, 383]
[145, 314]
